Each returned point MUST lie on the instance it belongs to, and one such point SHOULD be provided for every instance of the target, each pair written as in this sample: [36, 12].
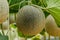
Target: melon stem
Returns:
[29, 2]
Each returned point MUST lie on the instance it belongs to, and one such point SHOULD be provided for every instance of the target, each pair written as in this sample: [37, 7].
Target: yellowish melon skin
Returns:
[30, 20]
[51, 26]
[5, 25]
[4, 10]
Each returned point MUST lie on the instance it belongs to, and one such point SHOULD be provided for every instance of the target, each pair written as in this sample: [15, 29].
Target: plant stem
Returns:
[15, 16]
[59, 38]
[25, 38]
[55, 38]
[49, 37]
[44, 36]
[10, 34]
[16, 4]
[29, 2]
[9, 1]
[2, 29]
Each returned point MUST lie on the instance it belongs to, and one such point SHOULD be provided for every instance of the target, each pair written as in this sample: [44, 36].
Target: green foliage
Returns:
[3, 37]
[37, 37]
[46, 13]
[22, 35]
[13, 8]
[53, 7]
[13, 25]
[15, 5]
[40, 2]
[56, 14]
[35, 2]
[43, 32]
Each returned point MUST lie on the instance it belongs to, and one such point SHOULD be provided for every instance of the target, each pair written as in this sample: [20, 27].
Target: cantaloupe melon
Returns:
[30, 20]
[5, 25]
[51, 26]
[4, 10]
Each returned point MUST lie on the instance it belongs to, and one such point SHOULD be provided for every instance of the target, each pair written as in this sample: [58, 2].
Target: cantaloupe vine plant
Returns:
[29, 19]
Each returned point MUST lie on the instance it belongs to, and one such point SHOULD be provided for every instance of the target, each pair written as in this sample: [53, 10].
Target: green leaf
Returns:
[37, 37]
[20, 34]
[53, 3]
[3, 37]
[13, 25]
[53, 7]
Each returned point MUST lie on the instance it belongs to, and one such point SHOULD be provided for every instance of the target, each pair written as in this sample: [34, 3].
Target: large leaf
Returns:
[53, 7]
[53, 3]
[3, 37]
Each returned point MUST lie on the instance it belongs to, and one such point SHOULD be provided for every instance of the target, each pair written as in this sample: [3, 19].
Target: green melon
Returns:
[4, 10]
[30, 20]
